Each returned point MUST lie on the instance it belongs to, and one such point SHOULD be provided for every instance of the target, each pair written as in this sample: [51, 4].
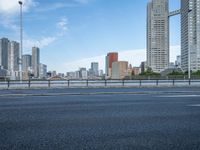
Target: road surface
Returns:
[138, 120]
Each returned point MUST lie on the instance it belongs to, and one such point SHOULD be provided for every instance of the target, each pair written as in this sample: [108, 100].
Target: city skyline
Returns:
[125, 24]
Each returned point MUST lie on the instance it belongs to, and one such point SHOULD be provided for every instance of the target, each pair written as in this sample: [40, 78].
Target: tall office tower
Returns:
[190, 34]
[110, 58]
[119, 69]
[4, 46]
[95, 68]
[13, 59]
[158, 35]
[35, 61]
[26, 63]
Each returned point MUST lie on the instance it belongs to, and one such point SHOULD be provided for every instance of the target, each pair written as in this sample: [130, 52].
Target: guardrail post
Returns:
[49, 83]
[157, 82]
[68, 83]
[29, 83]
[8, 83]
[123, 82]
[105, 82]
[87, 82]
[140, 82]
[189, 81]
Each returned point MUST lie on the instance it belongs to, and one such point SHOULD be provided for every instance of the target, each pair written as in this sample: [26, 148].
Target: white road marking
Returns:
[195, 105]
[174, 96]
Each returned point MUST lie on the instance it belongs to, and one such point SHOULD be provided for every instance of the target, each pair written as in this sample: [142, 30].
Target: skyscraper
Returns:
[13, 56]
[4, 46]
[190, 34]
[35, 61]
[95, 68]
[13, 59]
[26, 63]
[158, 35]
[110, 58]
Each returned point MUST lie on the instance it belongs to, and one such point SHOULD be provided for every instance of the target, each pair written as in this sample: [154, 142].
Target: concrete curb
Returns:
[95, 93]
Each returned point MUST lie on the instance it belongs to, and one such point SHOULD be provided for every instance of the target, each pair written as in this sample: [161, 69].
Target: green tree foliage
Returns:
[197, 73]
[176, 73]
[150, 72]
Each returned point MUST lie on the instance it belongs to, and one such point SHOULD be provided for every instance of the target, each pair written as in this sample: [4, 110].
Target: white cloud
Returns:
[45, 41]
[54, 6]
[61, 5]
[134, 57]
[62, 25]
[11, 7]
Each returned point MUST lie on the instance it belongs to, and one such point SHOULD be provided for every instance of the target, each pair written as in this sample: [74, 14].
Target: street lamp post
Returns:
[189, 46]
[21, 41]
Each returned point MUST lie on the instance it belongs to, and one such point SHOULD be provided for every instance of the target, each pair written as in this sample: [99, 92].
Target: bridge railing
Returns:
[9, 84]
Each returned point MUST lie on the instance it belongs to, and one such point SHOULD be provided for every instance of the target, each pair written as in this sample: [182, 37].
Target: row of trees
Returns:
[149, 72]
[175, 74]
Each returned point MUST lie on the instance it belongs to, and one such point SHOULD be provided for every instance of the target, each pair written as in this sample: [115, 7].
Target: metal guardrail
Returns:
[95, 83]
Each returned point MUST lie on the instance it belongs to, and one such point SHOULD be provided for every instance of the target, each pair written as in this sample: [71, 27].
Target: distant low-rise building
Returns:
[71, 75]
[43, 71]
[171, 65]
[77, 75]
[136, 70]
[62, 75]
[83, 73]
[101, 73]
[178, 61]
[143, 66]
[53, 73]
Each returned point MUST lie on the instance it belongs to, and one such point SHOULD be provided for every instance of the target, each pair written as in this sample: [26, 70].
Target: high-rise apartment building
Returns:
[4, 47]
[26, 63]
[13, 56]
[190, 34]
[110, 58]
[13, 59]
[35, 61]
[158, 35]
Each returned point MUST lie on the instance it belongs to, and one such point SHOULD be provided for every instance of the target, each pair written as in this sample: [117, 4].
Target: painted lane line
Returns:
[194, 105]
[174, 96]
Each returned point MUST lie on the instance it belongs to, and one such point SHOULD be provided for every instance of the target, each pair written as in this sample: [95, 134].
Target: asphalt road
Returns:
[162, 121]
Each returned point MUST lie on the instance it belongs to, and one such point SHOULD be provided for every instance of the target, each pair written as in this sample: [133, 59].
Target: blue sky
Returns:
[71, 30]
